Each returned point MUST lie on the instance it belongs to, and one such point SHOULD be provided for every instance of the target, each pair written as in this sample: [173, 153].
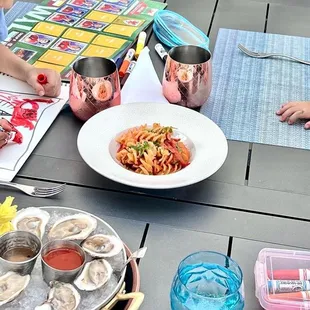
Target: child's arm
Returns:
[293, 111]
[12, 64]
[18, 68]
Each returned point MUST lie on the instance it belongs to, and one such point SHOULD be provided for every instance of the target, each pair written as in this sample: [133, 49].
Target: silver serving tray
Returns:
[37, 290]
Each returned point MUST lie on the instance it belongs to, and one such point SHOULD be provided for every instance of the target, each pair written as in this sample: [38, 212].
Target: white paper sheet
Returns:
[142, 84]
[13, 155]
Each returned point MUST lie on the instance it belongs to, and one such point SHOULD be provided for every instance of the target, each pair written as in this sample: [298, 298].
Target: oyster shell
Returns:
[94, 275]
[11, 285]
[62, 296]
[102, 245]
[75, 227]
[31, 219]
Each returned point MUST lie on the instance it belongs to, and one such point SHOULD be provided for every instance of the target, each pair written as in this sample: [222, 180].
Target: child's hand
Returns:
[51, 88]
[4, 128]
[293, 111]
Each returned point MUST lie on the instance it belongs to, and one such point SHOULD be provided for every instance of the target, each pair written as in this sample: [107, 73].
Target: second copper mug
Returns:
[188, 76]
[94, 86]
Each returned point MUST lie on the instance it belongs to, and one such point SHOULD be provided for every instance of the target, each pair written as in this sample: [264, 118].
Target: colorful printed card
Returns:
[110, 8]
[49, 28]
[38, 39]
[68, 46]
[79, 35]
[101, 17]
[126, 31]
[99, 51]
[73, 10]
[124, 3]
[145, 9]
[56, 57]
[31, 117]
[13, 37]
[64, 19]
[88, 4]
[23, 53]
[109, 41]
[124, 20]
[91, 25]
[39, 64]
[53, 3]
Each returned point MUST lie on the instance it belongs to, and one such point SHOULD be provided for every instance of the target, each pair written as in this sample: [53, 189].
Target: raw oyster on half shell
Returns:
[11, 285]
[94, 275]
[31, 219]
[62, 296]
[75, 227]
[102, 245]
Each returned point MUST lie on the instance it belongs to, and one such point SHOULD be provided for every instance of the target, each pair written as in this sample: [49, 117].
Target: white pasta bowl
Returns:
[98, 147]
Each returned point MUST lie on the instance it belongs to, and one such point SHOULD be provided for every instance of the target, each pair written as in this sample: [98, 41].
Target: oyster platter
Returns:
[95, 270]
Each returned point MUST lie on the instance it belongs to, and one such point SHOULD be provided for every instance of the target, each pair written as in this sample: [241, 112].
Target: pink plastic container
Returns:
[277, 273]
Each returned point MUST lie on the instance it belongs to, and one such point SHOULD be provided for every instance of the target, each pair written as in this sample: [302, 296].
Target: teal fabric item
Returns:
[247, 92]
[173, 29]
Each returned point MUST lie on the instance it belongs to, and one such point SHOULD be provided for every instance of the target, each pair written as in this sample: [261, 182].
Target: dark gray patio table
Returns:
[259, 198]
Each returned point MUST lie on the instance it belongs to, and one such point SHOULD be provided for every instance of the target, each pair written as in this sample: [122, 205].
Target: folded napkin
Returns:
[142, 84]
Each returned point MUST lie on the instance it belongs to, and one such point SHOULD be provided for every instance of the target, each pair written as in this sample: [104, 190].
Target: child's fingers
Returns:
[3, 139]
[288, 113]
[286, 106]
[307, 125]
[3, 136]
[51, 90]
[295, 116]
[53, 87]
[5, 125]
[283, 109]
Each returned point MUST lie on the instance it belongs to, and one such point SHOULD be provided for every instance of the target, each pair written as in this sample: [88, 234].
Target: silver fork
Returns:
[266, 55]
[36, 191]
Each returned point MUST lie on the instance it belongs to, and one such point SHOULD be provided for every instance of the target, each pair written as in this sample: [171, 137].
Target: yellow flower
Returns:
[7, 211]
[4, 228]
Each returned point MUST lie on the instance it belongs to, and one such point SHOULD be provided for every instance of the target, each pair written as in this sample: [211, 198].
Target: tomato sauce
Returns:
[63, 259]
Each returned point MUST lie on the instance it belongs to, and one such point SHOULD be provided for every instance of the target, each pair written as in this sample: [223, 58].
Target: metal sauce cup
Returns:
[94, 86]
[187, 78]
[12, 241]
[52, 274]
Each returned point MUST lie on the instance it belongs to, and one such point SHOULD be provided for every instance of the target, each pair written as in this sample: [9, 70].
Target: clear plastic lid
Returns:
[282, 279]
[173, 29]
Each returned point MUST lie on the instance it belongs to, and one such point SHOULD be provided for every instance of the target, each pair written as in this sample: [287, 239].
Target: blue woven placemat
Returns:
[18, 10]
[247, 92]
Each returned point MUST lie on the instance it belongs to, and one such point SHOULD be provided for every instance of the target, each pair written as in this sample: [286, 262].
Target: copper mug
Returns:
[94, 86]
[188, 76]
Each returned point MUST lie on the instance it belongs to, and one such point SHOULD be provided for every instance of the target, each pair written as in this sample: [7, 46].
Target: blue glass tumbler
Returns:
[207, 280]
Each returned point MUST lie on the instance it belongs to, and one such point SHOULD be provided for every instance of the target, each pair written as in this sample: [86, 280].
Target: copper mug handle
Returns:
[137, 297]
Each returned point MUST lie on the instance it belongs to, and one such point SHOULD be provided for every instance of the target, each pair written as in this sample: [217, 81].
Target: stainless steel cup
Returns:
[94, 86]
[19, 240]
[50, 273]
[187, 78]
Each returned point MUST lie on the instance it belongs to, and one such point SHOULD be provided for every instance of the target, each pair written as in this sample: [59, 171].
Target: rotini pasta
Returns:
[152, 150]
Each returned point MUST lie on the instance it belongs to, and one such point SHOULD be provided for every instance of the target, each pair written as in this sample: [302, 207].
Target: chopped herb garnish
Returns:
[141, 147]
[166, 129]
[157, 143]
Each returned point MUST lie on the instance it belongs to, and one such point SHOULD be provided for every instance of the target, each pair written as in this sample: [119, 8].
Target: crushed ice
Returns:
[37, 290]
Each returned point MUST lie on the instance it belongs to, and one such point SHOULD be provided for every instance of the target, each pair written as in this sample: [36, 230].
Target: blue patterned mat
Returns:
[247, 91]
[18, 10]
